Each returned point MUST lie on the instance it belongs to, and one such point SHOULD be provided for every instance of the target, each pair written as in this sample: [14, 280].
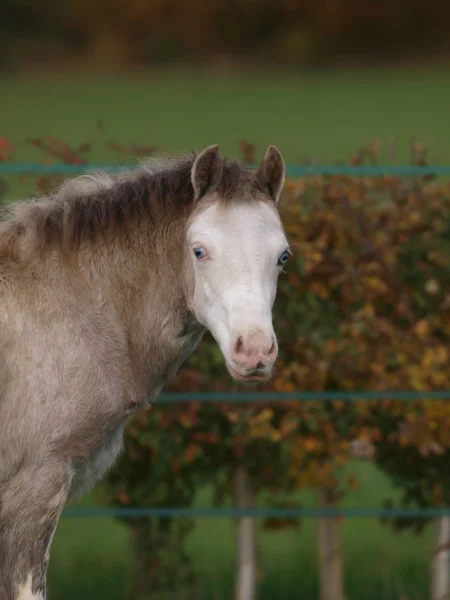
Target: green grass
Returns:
[326, 115]
[92, 558]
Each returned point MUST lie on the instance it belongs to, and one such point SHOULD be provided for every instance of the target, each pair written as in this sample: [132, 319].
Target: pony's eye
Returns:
[199, 253]
[283, 258]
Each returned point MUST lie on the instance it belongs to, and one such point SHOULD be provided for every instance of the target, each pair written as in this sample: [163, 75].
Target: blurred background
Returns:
[364, 306]
[317, 78]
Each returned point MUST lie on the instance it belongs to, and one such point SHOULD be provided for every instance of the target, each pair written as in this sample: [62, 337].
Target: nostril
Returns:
[239, 346]
[271, 351]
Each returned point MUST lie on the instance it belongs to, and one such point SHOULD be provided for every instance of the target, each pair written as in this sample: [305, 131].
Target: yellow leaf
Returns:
[428, 358]
[415, 217]
[368, 310]
[422, 328]
[274, 435]
[402, 358]
[261, 430]
[265, 415]
[438, 379]
[374, 283]
[186, 422]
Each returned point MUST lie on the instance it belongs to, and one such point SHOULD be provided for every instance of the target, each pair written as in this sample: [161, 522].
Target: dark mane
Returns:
[91, 205]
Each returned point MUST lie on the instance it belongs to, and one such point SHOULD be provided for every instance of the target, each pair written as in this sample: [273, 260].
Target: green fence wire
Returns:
[328, 396]
[291, 170]
[139, 513]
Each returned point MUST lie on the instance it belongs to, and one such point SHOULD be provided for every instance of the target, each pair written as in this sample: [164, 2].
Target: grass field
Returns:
[325, 116]
[92, 557]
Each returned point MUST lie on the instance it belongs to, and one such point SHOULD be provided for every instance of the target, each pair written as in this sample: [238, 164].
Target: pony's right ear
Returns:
[206, 171]
[271, 173]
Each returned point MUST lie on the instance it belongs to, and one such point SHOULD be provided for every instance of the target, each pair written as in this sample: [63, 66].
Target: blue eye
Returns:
[283, 258]
[199, 253]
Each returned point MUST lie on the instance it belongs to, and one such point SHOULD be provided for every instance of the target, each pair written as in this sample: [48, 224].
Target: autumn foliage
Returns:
[364, 305]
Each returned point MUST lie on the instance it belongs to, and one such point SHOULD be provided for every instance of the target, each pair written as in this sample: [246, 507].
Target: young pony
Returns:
[106, 287]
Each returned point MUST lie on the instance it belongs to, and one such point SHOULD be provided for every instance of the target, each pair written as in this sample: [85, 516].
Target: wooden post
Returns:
[440, 562]
[246, 538]
[329, 552]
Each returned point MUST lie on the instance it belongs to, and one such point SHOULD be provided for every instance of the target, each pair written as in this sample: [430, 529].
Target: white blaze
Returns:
[235, 285]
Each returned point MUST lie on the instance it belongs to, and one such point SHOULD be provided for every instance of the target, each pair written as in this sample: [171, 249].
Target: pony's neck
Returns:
[148, 285]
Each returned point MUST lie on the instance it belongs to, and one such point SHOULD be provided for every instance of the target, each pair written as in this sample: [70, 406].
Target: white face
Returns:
[238, 251]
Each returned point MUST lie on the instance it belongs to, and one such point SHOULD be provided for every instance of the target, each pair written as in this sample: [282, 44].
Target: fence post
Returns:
[440, 562]
[246, 538]
[329, 551]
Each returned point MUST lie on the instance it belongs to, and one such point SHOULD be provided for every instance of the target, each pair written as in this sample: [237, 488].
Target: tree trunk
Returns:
[440, 562]
[329, 552]
[161, 563]
[246, 538]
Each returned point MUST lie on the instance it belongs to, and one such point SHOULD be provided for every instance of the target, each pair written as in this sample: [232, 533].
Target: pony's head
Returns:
[238, 249]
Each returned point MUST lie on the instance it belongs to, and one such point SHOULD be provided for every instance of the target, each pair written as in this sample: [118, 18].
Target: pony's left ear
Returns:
[271, 173]
[206, 171]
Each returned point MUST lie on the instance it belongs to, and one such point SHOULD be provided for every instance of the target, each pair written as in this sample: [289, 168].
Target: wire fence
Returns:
[251, 397]
[291, 170]
[346, 396]
[256, 512]
[139, 513]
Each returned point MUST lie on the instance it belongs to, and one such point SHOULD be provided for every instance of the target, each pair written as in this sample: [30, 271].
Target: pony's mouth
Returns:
[258, 375]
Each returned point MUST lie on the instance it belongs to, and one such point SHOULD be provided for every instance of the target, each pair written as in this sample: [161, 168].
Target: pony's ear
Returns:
[206, 171]
[271, 173]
